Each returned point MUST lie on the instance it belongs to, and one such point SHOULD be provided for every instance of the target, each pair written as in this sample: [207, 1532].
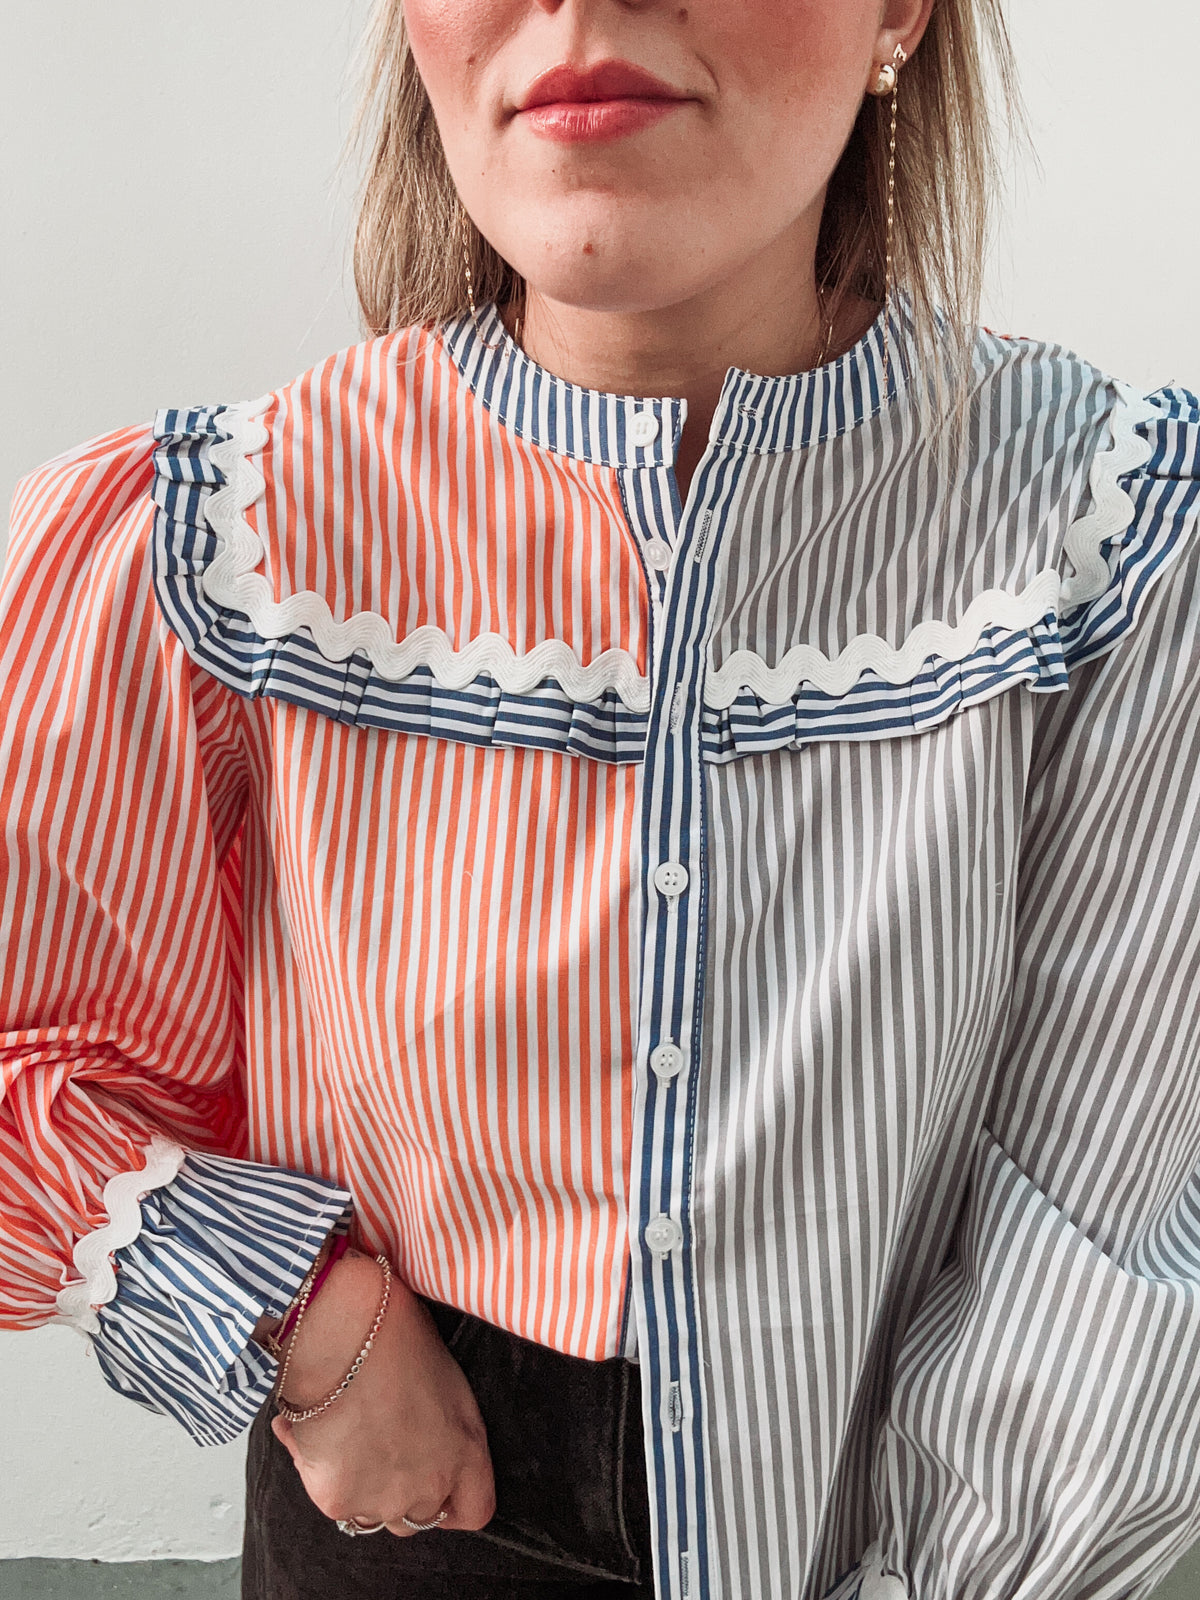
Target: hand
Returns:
[406, 1437]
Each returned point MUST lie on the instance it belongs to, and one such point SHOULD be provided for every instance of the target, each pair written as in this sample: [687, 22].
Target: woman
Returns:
[658, 796]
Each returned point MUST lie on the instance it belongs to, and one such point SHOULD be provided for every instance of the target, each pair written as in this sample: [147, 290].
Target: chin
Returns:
[609, 278]
[599, 251]
[610, 296]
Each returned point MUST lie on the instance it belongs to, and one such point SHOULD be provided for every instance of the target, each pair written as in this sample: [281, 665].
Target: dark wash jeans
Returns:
[572, 1514]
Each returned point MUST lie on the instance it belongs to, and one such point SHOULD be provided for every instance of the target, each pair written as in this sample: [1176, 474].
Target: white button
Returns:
[670, 877]
[663, 1234]
[667, 1060]
[658, 555]
[643, 429]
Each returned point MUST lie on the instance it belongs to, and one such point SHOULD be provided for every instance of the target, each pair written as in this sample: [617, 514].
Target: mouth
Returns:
[606, 101]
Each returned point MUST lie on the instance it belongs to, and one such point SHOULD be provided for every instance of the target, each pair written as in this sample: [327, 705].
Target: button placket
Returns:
[672, 981]
[647, 452]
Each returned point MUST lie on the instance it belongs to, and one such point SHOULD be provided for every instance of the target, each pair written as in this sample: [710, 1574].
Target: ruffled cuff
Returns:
[222, 1244]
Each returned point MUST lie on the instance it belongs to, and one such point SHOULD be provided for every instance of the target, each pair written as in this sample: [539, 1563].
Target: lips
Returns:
[603, 102]
[606, 80]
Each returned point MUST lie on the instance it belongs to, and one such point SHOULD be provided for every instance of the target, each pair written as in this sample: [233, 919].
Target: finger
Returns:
[473, 1504]
[402, 1530]
[421, 1514]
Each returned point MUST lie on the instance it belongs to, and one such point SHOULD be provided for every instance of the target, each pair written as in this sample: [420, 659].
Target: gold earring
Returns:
[888, 82]
[466, 255]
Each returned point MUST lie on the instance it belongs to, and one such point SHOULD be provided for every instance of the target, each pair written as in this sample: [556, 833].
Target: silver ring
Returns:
[423, 1527]
[353, 1526]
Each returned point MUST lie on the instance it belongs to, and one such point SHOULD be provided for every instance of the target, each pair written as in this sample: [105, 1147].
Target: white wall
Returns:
[174, 225]
[174, 231]
[1100, 249]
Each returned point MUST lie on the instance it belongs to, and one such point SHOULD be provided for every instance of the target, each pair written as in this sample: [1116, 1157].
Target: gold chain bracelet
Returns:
[271, 1340]
[291, 1412]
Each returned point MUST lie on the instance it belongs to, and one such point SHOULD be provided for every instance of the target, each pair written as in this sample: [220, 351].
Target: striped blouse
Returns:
[756, 935]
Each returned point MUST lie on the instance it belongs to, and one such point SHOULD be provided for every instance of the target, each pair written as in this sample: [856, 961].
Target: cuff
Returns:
[221, 1245]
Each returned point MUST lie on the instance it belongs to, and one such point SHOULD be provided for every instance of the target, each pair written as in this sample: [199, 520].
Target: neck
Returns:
[767, 318]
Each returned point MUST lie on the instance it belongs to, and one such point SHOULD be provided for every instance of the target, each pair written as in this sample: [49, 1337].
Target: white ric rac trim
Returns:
[1111, 513]
[232, 581]
[121, 1196]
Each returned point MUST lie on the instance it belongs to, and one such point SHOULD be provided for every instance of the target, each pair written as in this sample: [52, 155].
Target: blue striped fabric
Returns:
[223, 1244]
[1164, 493]
[913, 1275]
[671, 1014]
[873, 709]
[293, 669]
[765, 416]
[554, 414]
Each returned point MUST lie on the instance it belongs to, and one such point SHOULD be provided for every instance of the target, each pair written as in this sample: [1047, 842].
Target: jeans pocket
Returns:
[630, 1455]
[452, 1323]
[555, 1433]
[255, 1577]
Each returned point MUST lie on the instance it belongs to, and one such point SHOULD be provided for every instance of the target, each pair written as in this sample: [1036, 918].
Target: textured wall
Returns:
[86, 1473]
[175, 232]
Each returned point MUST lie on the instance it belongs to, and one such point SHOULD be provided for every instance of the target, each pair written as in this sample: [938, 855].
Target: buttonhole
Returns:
[705, 523]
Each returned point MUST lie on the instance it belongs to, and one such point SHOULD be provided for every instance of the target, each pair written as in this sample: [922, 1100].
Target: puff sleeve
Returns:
[129, 1209]
[1043, 1435]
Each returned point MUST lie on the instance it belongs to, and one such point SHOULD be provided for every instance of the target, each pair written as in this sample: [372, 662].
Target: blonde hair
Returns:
[408, 244]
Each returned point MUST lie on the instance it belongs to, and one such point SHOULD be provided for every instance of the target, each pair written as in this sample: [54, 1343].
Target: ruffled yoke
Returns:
[874, 577]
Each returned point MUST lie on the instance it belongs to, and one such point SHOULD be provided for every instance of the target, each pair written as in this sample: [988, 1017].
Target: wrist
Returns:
[331, 1332]
[268, 1326]
[294, 1411]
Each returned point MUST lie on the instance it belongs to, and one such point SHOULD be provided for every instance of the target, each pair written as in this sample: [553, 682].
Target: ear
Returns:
[903, 23]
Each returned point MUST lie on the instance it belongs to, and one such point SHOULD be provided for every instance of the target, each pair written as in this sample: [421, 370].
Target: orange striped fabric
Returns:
[756, 929]
[403, 964]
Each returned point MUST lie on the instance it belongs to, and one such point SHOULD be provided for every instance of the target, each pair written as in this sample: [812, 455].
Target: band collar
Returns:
[765, 415]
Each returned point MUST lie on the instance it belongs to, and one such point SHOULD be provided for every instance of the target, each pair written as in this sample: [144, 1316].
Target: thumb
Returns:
[282, 1429]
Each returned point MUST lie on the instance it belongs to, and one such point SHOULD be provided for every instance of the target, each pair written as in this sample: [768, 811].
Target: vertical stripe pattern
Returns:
[750, 932]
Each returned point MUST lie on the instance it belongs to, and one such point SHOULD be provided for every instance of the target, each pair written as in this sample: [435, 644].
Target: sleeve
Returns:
[1043, 1431]
[129, 1210]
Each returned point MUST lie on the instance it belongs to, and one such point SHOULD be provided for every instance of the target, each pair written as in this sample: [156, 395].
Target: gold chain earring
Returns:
[466, 255]
[888, 82]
